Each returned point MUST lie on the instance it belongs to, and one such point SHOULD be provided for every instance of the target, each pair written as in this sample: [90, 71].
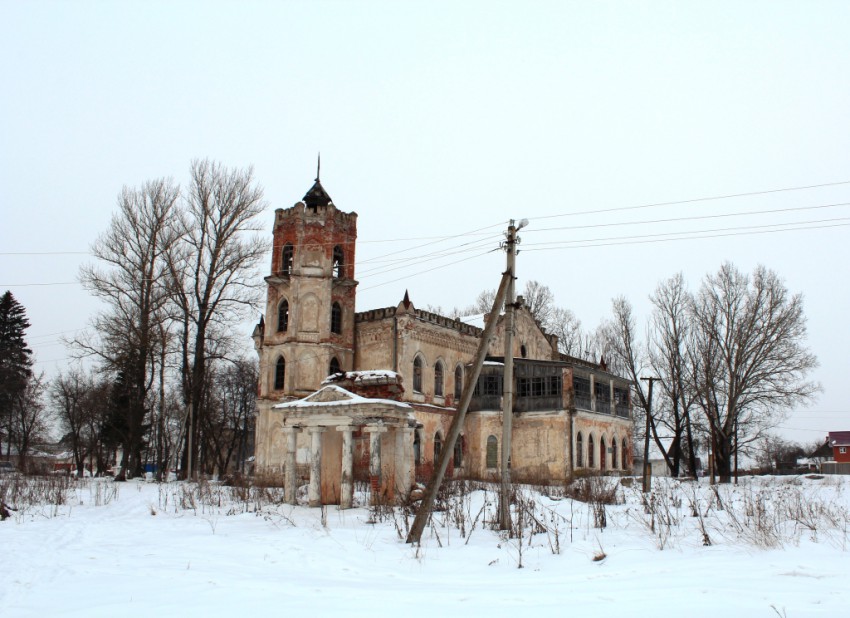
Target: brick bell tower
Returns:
[307, 332]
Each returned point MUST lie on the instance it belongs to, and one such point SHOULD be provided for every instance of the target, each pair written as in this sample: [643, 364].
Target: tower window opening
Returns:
[287, 256]
[283, 316]
[336, 319]
[417, 374]
[338, 262]
[280, 374]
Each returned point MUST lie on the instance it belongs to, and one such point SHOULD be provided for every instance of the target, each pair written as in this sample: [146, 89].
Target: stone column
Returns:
[315, 491]
[375, 432]
[289, 479]
[346, 497]
[403, 461]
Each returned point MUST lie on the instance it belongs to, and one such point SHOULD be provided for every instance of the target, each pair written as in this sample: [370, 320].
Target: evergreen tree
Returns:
[15, 357]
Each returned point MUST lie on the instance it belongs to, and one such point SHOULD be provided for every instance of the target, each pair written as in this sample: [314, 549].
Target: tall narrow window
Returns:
[417, 374]
[438, 445]
[286, 258]
[579, 451]
[280, 374]
[438, 379]
[338, 262]
[590, 462]
[417, 448]
[624, 454]
[614, 454]
[602, 453]
[283, 316]
[492, 452]
[458, 454]
[334, 367]
[458, 383]
[336, 319]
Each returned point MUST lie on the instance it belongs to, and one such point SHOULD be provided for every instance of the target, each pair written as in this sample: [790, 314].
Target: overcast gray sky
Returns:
[440, 119]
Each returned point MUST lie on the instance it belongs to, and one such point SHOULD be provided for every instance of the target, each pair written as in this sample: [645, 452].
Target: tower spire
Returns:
[319, 167]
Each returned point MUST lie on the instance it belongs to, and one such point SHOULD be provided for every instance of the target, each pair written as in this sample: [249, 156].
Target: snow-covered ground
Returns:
[778, 546]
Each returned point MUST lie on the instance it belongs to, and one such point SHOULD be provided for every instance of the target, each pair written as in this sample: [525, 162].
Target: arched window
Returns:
[438, 445]
[338, 262]
[492, 452]
[458, 383]
[624, 454]
[602, 453]
[614, 454]
[334, 367]
[523, 351]
[438, 379]
[579, 451]
[280, 374]
[458, 454]
[417, 374]
[336, 319]
[286, 258]
[283, 316]
[417, 448]
[590, 462]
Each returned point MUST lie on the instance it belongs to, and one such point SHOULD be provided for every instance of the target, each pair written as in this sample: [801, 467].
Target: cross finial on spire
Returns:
[319, 167]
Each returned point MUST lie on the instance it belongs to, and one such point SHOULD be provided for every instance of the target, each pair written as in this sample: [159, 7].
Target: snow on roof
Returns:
[494, 363]
[344, 398]
[363, 377]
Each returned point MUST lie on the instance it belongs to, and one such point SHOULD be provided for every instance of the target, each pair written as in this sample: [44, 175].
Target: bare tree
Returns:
[539, 300]
[670, 339]
[563, 323]
[131, 280]
[750, 363]
[214, 273]
[30, 419]
[232, 402]
[70, 395]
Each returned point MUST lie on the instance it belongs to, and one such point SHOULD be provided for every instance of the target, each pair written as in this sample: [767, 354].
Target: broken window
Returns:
[336, 319]
[602, 390]
[283, 316]
[579, 451]
[287, 256]
[621, 401]
[602, 453]
[614, 454]
[438, 445]
[417, 374]
[334, 367]
[581, 388]
[590, 463]
[280, 374]
[438, 379]
[492, 452]
[458, 454]
[458, 383]
[338, 262]
[624, 454]
[417, 448]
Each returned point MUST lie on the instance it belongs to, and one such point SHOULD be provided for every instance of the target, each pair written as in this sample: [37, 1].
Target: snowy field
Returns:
[771, 546]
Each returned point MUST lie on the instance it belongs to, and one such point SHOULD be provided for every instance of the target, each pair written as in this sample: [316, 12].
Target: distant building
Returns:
[840, 443]
[371, 395]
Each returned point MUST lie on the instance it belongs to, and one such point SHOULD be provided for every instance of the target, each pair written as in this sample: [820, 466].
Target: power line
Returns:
[691, 218]
[693, 200]
[657, 238]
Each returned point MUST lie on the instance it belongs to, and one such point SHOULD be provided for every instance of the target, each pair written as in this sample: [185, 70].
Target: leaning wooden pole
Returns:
[425, 508]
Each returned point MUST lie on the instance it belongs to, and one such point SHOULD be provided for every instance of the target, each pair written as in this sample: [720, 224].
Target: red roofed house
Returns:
[840, 443]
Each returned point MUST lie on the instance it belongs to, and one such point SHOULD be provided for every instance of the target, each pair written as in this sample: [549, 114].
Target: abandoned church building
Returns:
[370, 395]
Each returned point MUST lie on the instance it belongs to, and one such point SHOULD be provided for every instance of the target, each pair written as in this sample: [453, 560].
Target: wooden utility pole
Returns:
[647, 469]
[508, 383]
[425, 508]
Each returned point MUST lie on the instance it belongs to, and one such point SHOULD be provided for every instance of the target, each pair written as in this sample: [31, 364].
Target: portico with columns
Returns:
[330, 423]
